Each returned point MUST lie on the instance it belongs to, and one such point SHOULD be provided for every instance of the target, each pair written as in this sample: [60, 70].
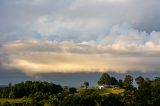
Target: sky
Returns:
[79, 36]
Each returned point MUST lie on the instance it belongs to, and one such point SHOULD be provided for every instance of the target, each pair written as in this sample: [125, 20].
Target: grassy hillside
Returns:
[105, 91]
[21, 100]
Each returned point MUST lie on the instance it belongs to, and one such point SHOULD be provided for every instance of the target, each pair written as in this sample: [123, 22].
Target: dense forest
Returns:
[36, 93]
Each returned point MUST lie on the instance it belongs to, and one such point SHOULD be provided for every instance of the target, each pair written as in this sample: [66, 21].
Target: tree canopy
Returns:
[37, 93]
[128, 82]
[106, 79]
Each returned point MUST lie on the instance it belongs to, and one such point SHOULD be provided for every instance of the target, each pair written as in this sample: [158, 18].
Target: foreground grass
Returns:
[21, 100]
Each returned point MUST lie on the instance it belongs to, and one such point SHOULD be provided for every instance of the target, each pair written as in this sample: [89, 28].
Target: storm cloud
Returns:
[43, 36]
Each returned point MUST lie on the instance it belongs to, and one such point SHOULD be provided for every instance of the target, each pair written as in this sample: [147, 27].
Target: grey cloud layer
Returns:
[79, 35]
[133, 51]
[74, 19]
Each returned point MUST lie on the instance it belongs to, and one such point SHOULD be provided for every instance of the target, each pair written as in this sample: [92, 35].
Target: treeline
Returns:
[106, 79]
[39, 93]
[29, 89]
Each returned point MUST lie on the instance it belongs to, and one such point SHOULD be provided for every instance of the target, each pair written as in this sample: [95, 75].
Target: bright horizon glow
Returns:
[70, 57]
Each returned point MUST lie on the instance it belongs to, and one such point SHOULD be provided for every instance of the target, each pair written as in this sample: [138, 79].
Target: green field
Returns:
[12, 100]
[105, 91]
[21, 100]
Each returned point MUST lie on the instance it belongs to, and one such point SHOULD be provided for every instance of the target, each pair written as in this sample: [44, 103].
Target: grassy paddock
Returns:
[105, 91]
[21, 100]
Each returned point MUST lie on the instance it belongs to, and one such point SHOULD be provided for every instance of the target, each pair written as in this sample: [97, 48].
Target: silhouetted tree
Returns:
[114, 81]
[139, 80]
[72, 90]
[128, 82]
[104, 79]
[86, 84]
[120, 83]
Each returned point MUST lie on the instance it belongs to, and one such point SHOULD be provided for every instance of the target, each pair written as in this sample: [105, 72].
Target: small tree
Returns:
[128, 82]
[114, 81]
[86, 84]
[12, 94]
[105, 79]
[120, 83]
[72, 90]
[139, 80]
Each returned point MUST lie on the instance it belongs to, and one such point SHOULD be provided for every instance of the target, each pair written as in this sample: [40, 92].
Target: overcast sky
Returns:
[47, 36]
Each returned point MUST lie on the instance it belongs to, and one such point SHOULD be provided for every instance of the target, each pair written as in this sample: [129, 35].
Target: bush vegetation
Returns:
[36, 93]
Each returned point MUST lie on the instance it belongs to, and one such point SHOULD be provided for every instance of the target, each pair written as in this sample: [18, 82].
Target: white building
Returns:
[103, 86]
